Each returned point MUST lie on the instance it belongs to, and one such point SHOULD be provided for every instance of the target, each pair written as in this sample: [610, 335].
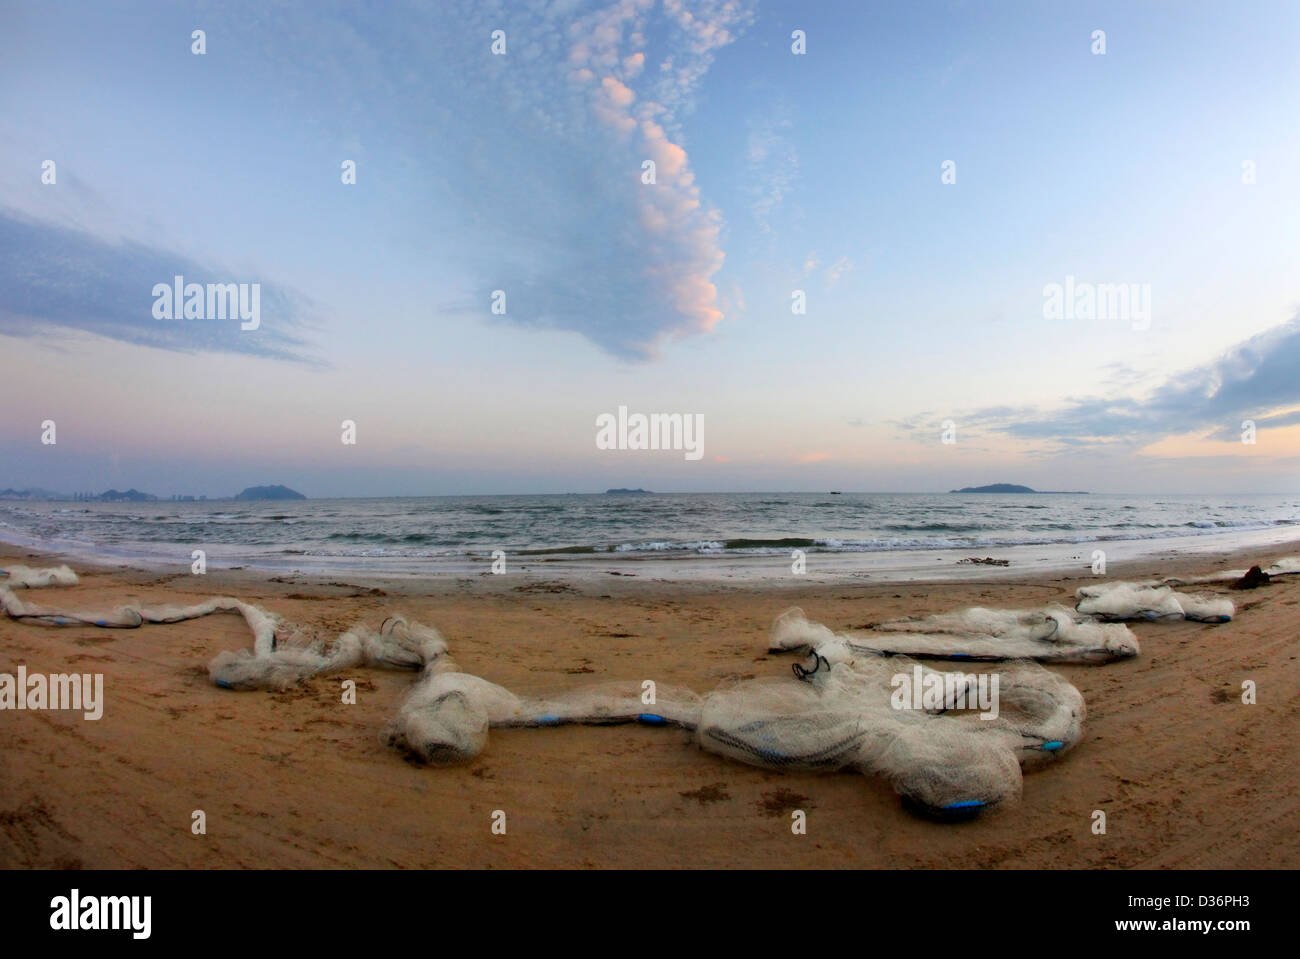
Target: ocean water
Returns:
[372, 533]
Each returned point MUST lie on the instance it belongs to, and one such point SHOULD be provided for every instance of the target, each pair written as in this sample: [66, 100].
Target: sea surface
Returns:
[413, 533]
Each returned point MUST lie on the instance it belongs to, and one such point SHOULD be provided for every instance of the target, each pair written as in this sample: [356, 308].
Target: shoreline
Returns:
[1188, 776]
[771, 569]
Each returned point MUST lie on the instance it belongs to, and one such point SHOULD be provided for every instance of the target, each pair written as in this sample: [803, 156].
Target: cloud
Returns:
[772, 162]
[657, 274]
[836, 270]
[1257, 379]
[58, 278]
[530, 161]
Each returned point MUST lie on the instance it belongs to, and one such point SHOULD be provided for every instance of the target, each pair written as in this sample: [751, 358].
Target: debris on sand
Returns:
[1254, 578]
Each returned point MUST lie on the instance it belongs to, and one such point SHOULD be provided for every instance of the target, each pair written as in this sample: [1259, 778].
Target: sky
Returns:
[920, 176]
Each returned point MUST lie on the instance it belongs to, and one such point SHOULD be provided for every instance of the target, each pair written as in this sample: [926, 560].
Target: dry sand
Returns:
[1187, 775]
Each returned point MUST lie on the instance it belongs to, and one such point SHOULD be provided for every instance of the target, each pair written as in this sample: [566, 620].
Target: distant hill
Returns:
[108, 496]
[1013, 488]
[43, 494]
[270, 492]
[130, 496]
[627, 492]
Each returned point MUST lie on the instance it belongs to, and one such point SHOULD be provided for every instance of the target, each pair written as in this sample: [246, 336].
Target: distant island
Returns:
[270, 492]
[38, 494]
[130, 496]
[136, 496]
[627, 492]
[108, 496]
[1013, 488]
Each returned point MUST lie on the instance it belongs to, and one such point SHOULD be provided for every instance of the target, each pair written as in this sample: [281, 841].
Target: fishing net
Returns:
[946, 752]
[609, 704]
[28, 577]
[282, 654]
[946, 760]
[1133, 601]
[1053, 634]
[397, 644]
[1287, 566]
[950, 742]
[446, 717]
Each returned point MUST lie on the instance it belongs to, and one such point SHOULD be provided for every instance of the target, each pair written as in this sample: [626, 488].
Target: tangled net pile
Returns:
[945, 752]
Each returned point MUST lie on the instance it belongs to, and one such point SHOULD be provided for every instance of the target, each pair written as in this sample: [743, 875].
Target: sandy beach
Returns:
[1187, 775]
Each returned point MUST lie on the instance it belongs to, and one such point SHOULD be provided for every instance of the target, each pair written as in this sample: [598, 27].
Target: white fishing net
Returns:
[397, 644]
[1133, 601]
[446, 717]
[1287, 566]
[935, 747]
[951, 743]
[282, 654]
[1053, 634]
[25, 576]
[611, 703]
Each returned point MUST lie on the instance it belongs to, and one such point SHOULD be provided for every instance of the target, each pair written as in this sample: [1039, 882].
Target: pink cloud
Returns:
[682, 235]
